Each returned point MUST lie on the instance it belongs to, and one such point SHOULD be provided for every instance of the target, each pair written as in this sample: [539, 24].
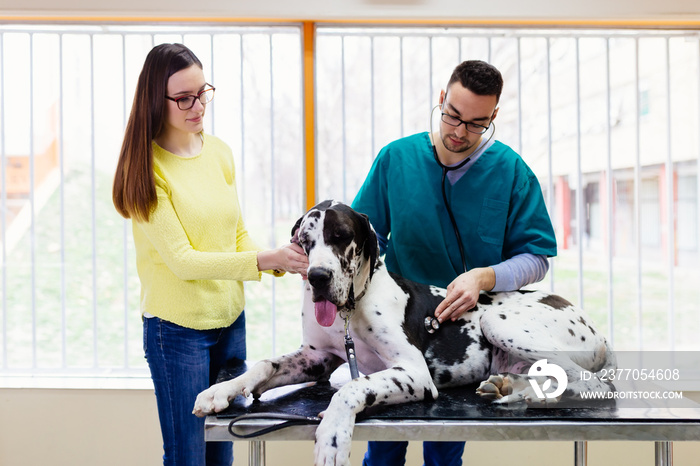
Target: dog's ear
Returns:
[371, 247]
[295, 228]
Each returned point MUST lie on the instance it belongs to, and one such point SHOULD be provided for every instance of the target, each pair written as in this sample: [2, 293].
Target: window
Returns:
[607, 119]
[589, 111]
[70, 292]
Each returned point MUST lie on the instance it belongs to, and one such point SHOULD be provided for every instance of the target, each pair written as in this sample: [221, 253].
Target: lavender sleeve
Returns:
[518, 271]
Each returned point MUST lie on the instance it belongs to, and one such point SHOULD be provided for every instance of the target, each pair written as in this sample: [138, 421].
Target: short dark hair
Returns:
[479, 77]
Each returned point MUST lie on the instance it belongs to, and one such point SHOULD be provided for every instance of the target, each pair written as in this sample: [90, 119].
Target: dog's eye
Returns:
[342, 234]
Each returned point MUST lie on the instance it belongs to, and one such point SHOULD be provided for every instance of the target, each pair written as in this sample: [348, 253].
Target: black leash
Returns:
[290, 420]
[350, 350]
[349, 343]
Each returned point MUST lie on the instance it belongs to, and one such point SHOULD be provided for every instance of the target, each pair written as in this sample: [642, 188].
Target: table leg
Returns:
[580, 453]
[664, 453]
[256, 453]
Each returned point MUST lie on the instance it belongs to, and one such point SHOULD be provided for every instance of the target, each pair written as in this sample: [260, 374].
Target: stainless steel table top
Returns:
[459, 414]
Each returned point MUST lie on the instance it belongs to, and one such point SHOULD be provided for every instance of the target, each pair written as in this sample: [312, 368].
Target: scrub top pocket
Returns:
[492, 221]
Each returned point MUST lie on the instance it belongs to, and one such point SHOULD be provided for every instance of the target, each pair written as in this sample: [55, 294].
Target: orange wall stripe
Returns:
[309, 39]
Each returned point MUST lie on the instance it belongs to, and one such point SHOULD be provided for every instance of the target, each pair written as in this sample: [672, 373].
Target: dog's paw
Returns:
[217, 398]
[495, 387]
[333, 441]
[511, 388]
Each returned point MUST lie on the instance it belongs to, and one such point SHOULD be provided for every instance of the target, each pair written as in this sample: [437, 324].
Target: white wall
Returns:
[628, 10]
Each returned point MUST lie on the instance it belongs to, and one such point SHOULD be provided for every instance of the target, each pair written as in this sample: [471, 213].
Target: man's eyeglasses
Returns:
[186, 102]
[471, 127]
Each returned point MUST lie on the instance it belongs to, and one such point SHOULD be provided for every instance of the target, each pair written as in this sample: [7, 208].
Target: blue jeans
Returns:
[394, 453]
[184, 362]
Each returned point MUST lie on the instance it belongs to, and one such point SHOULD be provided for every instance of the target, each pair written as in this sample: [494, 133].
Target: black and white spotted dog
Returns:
[402, 361]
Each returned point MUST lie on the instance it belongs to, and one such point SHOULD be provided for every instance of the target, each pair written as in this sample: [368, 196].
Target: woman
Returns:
[193, 252]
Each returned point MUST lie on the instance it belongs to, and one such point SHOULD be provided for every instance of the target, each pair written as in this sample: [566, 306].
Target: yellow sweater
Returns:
[194, 252]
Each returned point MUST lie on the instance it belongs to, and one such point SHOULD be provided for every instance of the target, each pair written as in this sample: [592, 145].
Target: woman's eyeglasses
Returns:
[186, 102]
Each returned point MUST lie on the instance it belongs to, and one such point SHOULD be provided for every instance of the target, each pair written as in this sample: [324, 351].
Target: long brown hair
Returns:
[134, 189]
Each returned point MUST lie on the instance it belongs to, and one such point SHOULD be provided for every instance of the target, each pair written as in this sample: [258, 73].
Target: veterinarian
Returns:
[193, 252]
[457, 209]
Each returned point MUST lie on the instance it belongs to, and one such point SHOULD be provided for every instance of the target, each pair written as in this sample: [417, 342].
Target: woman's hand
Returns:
[289, 258]
[463, 293]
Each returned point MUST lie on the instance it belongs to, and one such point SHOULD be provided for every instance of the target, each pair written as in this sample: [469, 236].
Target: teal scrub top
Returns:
[497, 203]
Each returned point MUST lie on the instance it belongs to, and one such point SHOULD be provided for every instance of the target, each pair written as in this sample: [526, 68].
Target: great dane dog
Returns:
[400, 360]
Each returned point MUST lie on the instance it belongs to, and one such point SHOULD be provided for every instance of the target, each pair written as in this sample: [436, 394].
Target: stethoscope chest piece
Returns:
[431, 324]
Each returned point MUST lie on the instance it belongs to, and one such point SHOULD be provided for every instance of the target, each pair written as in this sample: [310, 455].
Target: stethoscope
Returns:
[431, 323]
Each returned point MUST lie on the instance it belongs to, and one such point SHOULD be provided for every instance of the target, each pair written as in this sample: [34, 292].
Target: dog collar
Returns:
[350, 304]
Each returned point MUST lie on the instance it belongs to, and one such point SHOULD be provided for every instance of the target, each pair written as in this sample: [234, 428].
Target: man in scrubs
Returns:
[457, 209]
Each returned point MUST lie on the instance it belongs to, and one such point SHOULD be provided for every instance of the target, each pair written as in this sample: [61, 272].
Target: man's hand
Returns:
[463, 293]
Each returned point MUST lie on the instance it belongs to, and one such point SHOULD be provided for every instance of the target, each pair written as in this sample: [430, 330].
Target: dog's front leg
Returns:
[391, 386]
[304, 365]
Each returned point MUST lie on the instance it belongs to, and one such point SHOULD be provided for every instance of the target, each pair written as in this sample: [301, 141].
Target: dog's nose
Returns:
[318, 277]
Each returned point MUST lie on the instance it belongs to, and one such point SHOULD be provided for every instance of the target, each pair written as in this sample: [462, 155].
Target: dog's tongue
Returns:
[325, 312]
